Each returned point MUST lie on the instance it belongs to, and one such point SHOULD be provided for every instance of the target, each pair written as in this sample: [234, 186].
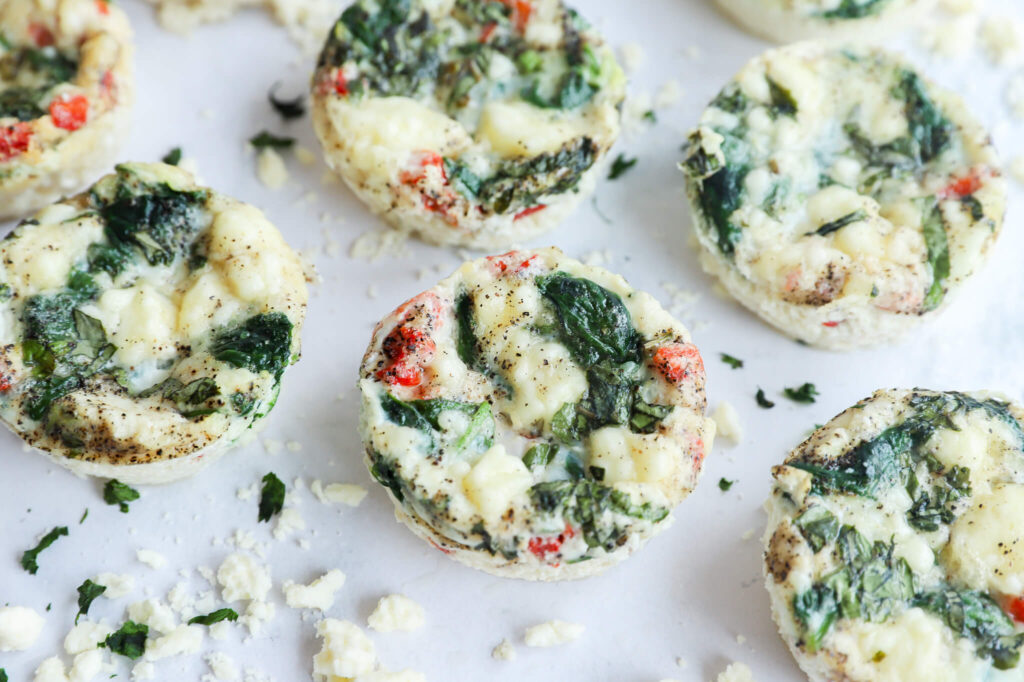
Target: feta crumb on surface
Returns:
[19, 627]
[272, 447]
[953, 38]
[249, 492]
[1000, 36]
[553, 633]
[668, 94]
[346, 652]
[319, 594]
[293, 446]
[396, 612]
[633, 56]
[242, 577]
[341, 493]
[727, 421]
[151, 558]
[747, 534]
[1017, 169]
[505, 651]
[736, 672]
[153, 613]
[270, 168]
[289, 522]
[378, 242]
[219, 631]
[305, 156]
[50, 670]
[221, 666]
[257, 614]
[85, 636]
[182, 640]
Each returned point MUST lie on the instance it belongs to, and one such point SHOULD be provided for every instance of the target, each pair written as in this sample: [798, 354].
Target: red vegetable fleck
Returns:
[488, 31]
[678, 361]
[830, 324]
[422, 159]
[102, 7]
[521, 11]
[14, 140]
[70, 112]
[41, 35]
[1015, 607]
[406, 349]
[961, 187]
[529, 211]
[5, 383]
[542, 546]
[510, 260]
[341, 83]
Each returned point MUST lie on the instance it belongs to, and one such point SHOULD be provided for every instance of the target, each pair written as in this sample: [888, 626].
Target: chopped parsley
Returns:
[115, 492]
[215, 617]
[129, 640]
[724, 484]
[620, 166]
[733, 362]
[87, 593]
[287, 108]
[84, 514]
[802, 394]
[271, 497]
[3, 675]
[265, 139]
[172, 157]
[763, 401]
[650, 116]
[29, 560]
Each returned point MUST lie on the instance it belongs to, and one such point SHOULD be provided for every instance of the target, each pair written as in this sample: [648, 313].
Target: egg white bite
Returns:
[839, 195]
[894, 542]
[145, 325]
[472, 122]
[786, 21]
[534, 417]
[66, 92]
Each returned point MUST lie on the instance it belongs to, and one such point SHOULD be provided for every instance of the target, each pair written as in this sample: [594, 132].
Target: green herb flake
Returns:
[288, 108]
[802, 394]
[87, 593]
[173, 157]
[215, 617]
[724, 484]
[762, 401]
[650, 116]
[115, 492]
[268, 140]
[84, 515]
[838, 224]
[271, 497]
[129, 640]
[3, 675]
[733, 362]
[29, 560]
[620, 166]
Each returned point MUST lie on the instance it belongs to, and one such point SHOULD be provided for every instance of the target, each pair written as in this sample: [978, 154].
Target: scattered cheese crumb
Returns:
[305, 156]
[257, 614]
[249, 492]
[293, 446]
[272, 447]
[346, 652]
[220, 631]
[270, 168]
[374, 244]
[85, 636]
[50, 670]
[747, 534]
[668, 94]
[242, 577]
[289, 522]
[182, 640]
[19, 627]
[736, 672]
[319, 594]
[727, 421]
[153, 613]
[1017, 169]
[740, 639]
[144, 670]
[953, 38]
[633, 56]
[341, 493]
[221, 665]
[1001, 39]
[553, 633]
[396, 612]
[960, 6]
[505, 651]
[151, 558]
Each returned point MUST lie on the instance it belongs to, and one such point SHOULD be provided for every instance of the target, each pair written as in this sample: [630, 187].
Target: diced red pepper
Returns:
[1015, 607]
[41, 35]
[529, 211]
[488, 31]
[423, 159]
[406, 349]
[5, 383]
[70, 112]
[15, 140]
[107, 82]
[961, 187]
[341, 83]
[542, 546]
[510, 260]
[831, 324]
[678, 361]
[102, 7]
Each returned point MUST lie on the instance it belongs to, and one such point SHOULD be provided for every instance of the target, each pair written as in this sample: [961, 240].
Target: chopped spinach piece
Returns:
[195, 392]
[129, 640]
[840, 223]
[3, 675]
[976, 616]
[265, 139]
[215, 617]
[574, 90]
[724, 484]
[937, 242]
[733, 362]
[620, 166]
[854, 9]
[84, 515]
[288, 108]
[271, 497]
[868, 468]
[479, 435]
[466, 182]
[645, 417]
[21, 103]
[30, 559]
[930, 130]
[540, 455]
[261, 343]
[385, 473]
[722, 193]
[87, 593]
[52, 65]
[173, 157]
[818, 526]
[762, 401]
[465, 341]
[424, 415]
[802, 394]
[731, 99]
[115, 492]
[650, 116]
[782, 101]
[934, 505]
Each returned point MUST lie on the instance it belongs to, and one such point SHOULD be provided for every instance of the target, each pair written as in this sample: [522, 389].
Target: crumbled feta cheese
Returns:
[505, 651]
[342, 493]
[305, 156]
[154, 613]
[634, 109]
[144, 670]
[19, 627]
[668, 94]
[257, 614]
[633, 56]
[396, 612]
[346, 652]
[50, 670]
[960, 6]
[85, 636]
[184, 639]
[319, 594]
[221, 665]
[953, 38]
[220, 631]
[151, 558]
[1000, 36]
[736, 672]
[86, 666]
[248, 493]
[747, 534]
[727, 421]
[272, 447]
[242, 577]
[293, 446]
[552, 633]
[374, 244]
[289, 522]
[118, 585]
[270, 168]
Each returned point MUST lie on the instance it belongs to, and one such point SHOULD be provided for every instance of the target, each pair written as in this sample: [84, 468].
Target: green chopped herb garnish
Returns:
[129, 640]
[733, 362]
[288, 108]
[215, 617]
[265, 139]
[802, 394]
[271, 497]
[87, 593]
[620, 165]
[115, 492]
[29, 560]
[763, 401]
[172, 157]
[724, 484]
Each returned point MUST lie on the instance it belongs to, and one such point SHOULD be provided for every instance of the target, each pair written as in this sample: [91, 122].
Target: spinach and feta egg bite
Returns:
[840, 195]
[144, 325]
[66, 91]
[534, 417]
[895, 541]
[472, 122]
[786, 21]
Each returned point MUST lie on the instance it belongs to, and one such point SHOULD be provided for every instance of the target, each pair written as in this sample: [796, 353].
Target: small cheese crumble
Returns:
[960, 6]
[340, 493]
[319, 594]
[247, 493]
[953, 38]
[19, 627]
[553, 633]
[257, 614]
[270, 168]
[151, 558]
[293, 446]
[50, 670]
[289, 522]
[346, 652]
[305, 156]
[727, 421]
[1001, 39]
[374, 244]
[273, 447]
[242, 577]
[396, 612]
[182, 640]
[153, 613]
[85, 637]
[668, 94]
[505, 651]
[633, 56]
[222, 667]
[736, 672]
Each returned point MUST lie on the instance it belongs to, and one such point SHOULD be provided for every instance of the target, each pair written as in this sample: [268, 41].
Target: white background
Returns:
[689, 593]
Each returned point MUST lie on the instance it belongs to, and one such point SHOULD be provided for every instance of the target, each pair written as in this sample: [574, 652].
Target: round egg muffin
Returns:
[534, 417]
[786, 21]
[839, 195]
[66, 91]
[471, 122]
[895, 541]
[145, 325]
